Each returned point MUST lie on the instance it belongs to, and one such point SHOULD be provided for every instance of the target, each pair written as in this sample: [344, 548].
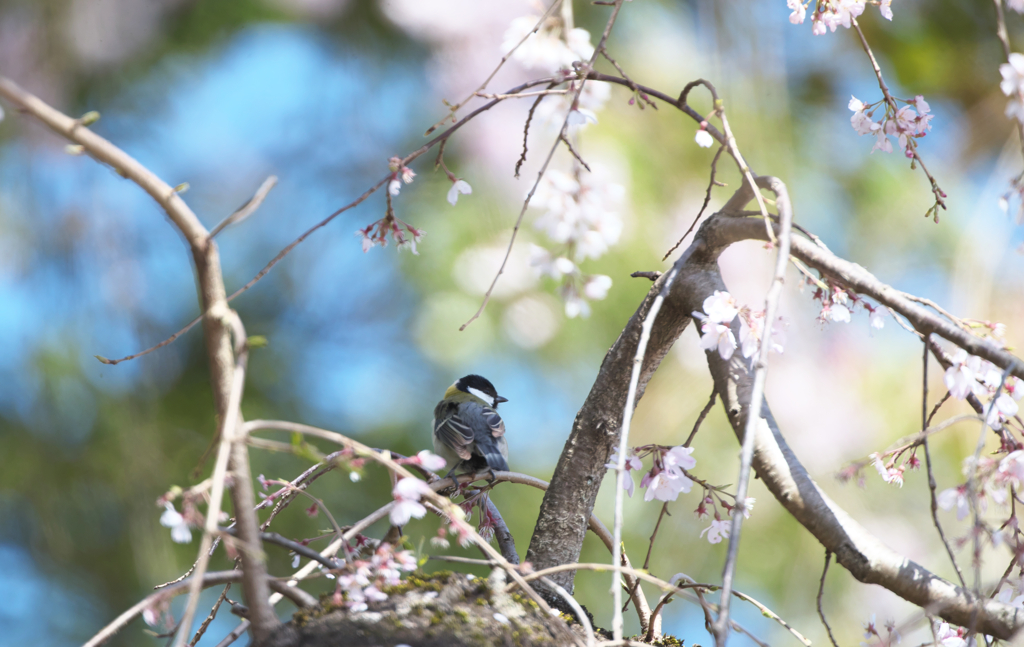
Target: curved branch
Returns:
[577, 478]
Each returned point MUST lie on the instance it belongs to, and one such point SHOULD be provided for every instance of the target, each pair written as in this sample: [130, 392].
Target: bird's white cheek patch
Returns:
[483, 396]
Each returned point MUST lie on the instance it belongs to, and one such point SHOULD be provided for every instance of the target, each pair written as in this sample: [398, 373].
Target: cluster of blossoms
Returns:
[182, 523]
[969, 374]
[830, 14]
[364, 580]
[1012, 85]
[906, 124]
[837, 305]
[579, 217]
[716, 332]
[668, 477]
[555, 50]
[376, 233]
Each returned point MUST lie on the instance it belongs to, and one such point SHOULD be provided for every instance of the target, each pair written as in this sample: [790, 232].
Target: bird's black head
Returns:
[482, 388]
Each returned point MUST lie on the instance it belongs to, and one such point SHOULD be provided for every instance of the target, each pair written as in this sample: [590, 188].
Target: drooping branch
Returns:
[559, 532]
[216, 327]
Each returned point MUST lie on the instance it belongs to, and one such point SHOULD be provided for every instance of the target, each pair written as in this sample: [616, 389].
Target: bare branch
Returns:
[721, 627]
[296, 595]
[248, 208]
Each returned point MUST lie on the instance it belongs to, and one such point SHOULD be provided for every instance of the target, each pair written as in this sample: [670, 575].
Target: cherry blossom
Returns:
[407, 493]
[876, 316]
[721, 307]
[632, 463]
[402, 233]
[666, 486]
[545, 49]
[597, 286]
[799, 11]
[717, 531]
[1012, 85]
[1000, 410]
[752, 328]
[957, 497]
[704, 138]
[961, 377]
[398, 170]
[718, 336]
[679, 458]
[458, 187]
[947, 636]
[171, 518]
[430, 460]
[547, 265]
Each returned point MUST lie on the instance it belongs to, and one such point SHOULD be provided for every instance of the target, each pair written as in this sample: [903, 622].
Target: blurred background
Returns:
[222, 93]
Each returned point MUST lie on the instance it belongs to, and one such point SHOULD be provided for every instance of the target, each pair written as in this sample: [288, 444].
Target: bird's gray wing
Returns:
[488, 430]
[452, 430]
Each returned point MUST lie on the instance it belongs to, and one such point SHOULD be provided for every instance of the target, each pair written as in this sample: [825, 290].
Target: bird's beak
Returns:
[498, 399]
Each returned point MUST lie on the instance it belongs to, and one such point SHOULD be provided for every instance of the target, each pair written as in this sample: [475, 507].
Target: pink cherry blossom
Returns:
[680, 457]
[666, 486]
[799, 11]
[885, 7]
[431, 461]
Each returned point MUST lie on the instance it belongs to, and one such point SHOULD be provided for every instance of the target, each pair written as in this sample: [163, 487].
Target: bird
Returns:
[467, 430]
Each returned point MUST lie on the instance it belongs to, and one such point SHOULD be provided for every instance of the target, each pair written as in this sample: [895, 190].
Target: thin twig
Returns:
[754, 406]
[821, 592]
[700, 419]
[581, 615]
[707, 199]
[627, 416]
[380, 457]
[216, 578]
[937, 193]
[228, 435]
[925, 419]
[544, 167]
[504, 59]
[211, 616]
[575, 154]
[248, 208]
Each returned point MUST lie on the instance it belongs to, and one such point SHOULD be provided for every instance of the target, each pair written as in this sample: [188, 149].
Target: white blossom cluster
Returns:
[716, 332]
[907, 123]
[969, 374]
[668, 477]
[554, 50]
[831, 14]
[580, 218]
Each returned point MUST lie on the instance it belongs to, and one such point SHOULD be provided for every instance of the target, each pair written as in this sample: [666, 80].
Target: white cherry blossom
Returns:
[718, 336]
[407, 493]
[717, 531]
[171, 518]
[704, 138]
[1012, 85]
[458, 187]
